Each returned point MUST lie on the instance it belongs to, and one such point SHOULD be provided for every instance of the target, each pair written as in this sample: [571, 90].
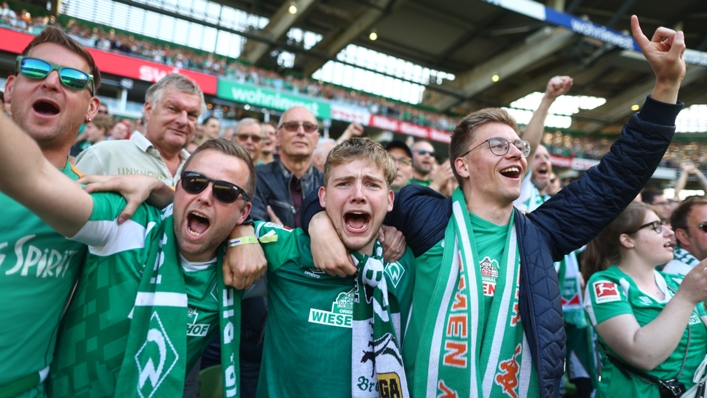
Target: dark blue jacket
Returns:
[564, 223]
[273, 189]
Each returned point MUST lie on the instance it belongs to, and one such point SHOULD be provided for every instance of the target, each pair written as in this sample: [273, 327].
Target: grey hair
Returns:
[320, 145]
[176, 82]
[247, 122]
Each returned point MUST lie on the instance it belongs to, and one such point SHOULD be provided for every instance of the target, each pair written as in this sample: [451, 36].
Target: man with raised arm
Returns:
[51, 95]
[487, 316]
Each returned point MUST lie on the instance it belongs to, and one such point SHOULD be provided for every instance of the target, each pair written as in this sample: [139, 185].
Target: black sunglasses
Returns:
[702, 226]
[223, 191]
[656, 225]
[39, 69]
[423, 152]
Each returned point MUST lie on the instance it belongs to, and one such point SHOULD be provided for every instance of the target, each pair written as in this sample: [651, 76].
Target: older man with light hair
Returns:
[249, 135]
[321, 152]
[172, 107]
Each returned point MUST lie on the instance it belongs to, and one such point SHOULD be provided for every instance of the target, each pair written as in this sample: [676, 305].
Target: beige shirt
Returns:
[134, 156]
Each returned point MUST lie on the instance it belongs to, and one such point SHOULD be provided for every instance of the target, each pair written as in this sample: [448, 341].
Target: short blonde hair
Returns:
[361, 148]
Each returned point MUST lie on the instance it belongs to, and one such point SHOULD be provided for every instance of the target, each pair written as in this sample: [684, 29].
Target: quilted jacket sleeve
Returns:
[581, 210]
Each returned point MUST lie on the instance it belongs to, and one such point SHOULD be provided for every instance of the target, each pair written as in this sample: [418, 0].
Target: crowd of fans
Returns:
[211, 182]
[182, 57]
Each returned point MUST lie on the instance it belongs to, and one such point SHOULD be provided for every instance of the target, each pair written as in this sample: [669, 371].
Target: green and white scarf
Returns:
[570, 291]
[465, 352]
[156, 354]
[375, 331]
[685, 257]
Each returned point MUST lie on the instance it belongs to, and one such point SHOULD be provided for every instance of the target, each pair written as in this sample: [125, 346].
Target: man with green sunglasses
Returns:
[39, 266]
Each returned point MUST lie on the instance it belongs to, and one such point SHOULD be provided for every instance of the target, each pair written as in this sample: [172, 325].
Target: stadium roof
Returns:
[474, 39]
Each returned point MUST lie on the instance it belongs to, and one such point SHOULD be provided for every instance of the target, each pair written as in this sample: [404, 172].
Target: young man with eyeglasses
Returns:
[172, 107]
[689, 221]
[249, 135]
[51, 95]
[285, 182]
[487, 315]
[124, 332]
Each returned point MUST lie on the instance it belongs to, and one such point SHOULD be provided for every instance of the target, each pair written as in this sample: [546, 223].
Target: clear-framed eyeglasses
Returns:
[500, 146]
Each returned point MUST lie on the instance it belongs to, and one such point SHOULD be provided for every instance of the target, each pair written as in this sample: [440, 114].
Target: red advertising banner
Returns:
[116, 64]
[414, 130]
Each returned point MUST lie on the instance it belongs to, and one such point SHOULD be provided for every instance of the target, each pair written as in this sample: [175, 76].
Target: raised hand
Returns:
[557, 86]
[664, 52]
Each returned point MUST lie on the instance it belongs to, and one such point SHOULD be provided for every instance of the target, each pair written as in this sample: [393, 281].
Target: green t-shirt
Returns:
[307, 350]
[490, 243]
[38, 269]
[424, 183]
[611, 293]
[94, 332]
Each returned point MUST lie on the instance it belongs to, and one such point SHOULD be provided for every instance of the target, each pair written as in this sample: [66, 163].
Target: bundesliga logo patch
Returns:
[606, 292]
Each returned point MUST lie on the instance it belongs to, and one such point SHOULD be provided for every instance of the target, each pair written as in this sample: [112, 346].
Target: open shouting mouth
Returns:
[197, 224]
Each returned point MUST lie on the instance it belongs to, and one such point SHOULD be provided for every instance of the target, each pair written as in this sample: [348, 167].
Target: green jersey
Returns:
[612, 293]
[38, 269]
[95, 330]
[308, 336]
[491, 248]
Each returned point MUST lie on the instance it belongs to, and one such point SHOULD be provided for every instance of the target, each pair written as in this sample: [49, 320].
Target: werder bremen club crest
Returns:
[155, 359]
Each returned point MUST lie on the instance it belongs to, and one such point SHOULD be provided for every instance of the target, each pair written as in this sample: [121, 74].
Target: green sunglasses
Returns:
[38, 69]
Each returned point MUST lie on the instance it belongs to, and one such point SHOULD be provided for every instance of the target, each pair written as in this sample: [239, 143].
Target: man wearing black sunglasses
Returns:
[39, 265]
[689, 221]
[143, 278]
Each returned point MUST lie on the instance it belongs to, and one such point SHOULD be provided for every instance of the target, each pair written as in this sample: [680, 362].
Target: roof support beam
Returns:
[333, 45]
[280, 23]
[620, 106]
[536, 47]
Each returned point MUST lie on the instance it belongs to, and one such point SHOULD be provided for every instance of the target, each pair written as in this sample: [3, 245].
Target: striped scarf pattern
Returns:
[465, 352]
[375, 348]
[156, 354]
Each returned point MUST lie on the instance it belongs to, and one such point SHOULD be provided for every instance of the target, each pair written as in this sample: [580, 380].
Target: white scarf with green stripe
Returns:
[464, 351]
[375, 331]
[156, 353]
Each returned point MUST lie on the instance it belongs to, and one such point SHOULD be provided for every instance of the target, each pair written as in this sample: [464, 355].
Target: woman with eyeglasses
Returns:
[650, 332]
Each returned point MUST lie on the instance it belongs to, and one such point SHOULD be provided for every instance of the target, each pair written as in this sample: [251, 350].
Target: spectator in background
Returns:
[689, 222]
[249, 135]
[656, 198]
[402, 155]
[7, 16]
[103, 109]
[228, 133]
[284, 183]
[172, 108]
[423, 162]
[95, 131]
[270, 144]
[119, 131]
[211, 126]
[324, 146]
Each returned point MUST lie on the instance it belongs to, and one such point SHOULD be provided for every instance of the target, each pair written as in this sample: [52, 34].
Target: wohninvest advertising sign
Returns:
[272, 99]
